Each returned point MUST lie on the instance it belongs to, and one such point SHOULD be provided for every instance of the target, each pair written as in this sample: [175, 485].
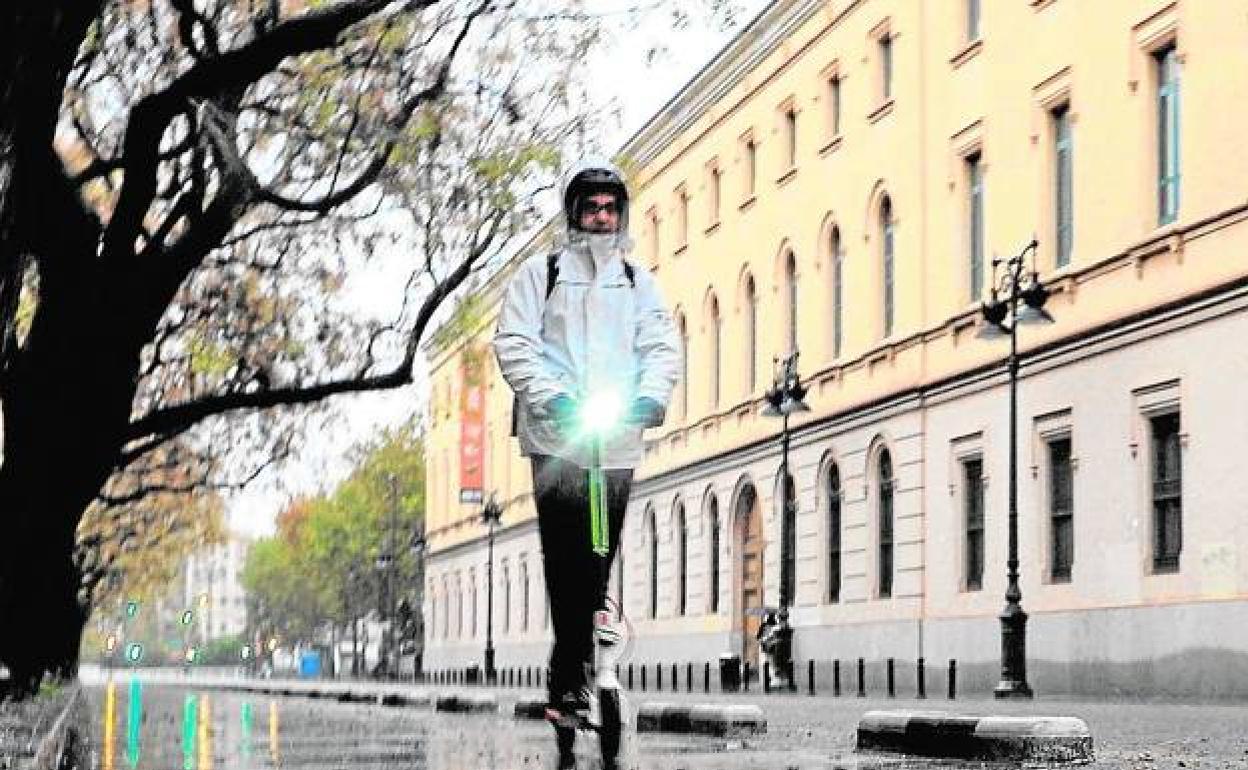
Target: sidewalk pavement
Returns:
[1126, 736]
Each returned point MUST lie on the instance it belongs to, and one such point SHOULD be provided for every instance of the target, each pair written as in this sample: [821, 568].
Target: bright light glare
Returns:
[601, 412]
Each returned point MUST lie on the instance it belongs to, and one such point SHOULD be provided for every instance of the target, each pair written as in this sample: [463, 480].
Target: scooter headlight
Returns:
[601, 412]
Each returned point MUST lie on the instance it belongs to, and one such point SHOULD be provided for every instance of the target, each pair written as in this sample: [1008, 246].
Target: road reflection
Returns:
[166, 727]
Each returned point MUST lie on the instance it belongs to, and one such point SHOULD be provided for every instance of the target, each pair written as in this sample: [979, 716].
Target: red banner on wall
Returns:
[472, 440]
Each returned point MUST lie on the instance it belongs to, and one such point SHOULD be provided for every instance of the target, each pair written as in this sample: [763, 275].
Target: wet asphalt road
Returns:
[234, 731]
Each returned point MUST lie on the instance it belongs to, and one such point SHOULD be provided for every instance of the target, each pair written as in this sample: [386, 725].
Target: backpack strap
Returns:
[552, 272]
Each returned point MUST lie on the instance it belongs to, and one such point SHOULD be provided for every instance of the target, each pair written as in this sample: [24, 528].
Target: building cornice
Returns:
[763, 35]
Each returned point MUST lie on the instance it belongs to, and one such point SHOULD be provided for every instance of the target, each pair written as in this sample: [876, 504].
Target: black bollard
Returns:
[810, 676]
[766, 677]
[862, 678]
[658, 677]
[745, 676]
[675, 678]
[892, 678]
[689, 677]
[836, 678]
[922, 680]
[706, 678]
[630, 676]
[953, 679]
[643, 678]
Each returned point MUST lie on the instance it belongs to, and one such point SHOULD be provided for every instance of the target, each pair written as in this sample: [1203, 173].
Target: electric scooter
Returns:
[609, 715]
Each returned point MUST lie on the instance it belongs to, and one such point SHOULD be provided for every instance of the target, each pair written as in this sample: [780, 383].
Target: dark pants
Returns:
[576, 577]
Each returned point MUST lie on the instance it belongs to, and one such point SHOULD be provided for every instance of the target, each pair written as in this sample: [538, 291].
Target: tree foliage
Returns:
[321, 564]
[134, 547]
[215, 211]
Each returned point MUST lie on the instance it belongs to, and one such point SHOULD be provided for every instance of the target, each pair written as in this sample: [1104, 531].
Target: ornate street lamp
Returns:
[1018, 299]
[783, 399]
[491, 516]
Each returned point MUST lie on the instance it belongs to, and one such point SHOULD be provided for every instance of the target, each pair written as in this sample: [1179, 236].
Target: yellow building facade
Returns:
[837, 180]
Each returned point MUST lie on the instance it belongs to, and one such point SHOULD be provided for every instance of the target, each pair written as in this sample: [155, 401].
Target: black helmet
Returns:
[592, 179]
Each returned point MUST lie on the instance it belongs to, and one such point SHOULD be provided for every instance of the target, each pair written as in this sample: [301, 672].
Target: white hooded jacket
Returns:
[596, 331]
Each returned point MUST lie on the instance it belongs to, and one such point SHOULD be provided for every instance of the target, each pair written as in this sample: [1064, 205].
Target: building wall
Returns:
[213, 591]
[1148, 311]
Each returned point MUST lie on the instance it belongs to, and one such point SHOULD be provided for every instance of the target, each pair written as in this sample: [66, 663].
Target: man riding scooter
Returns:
[574, 325]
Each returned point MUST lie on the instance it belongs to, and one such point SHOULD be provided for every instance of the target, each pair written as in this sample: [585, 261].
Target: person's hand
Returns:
[647, 412]
[562, 410]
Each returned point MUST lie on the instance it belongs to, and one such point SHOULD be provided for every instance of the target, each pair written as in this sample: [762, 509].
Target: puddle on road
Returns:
[169, 728]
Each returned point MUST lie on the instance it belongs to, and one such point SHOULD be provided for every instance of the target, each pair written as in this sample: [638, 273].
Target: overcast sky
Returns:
[625, 78]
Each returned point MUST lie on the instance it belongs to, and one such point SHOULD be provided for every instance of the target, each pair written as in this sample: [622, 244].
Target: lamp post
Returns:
[1017, 299]
[491, 515]
[385, 565]
[783, 399]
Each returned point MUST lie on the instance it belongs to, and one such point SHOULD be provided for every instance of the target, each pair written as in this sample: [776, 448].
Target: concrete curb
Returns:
[696, 719]
[940, 734]
[467, 704]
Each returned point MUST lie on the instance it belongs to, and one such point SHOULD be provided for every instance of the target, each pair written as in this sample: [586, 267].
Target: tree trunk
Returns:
[54, 458]
[66, 402]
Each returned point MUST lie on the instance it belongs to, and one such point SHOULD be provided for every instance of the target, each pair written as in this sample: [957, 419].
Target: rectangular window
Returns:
[654, 236]
[751, 166]
[973, 507]
[1167, 492]
[713, 195]
[834, 103]
[1167, 64]
[886, 67]
[975, 223]
[1061, 511]
[682, 216]
[1063, 181]
[790, 134]
[972, 20]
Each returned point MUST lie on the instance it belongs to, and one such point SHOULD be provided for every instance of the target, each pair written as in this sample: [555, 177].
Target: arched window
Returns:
[472, 590]
[524, 596]
[652, 537]
[788, 543]
[433, 614]
[682, 557]
[683, 329]
[459, 609]
[751, 336]
[713, 516]
[885, 475]
[838, 292]
[506, 598]
[886, 240]
[714, 362]
[446, 609]
[832, 491]
[790, 301]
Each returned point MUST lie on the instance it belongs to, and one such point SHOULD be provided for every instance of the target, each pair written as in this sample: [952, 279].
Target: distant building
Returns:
[213, 591]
